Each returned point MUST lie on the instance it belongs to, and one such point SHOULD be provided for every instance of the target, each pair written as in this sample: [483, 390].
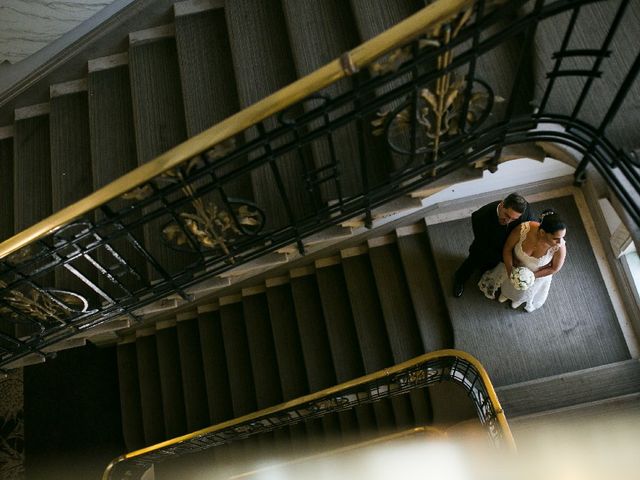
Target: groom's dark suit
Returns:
[488, 239]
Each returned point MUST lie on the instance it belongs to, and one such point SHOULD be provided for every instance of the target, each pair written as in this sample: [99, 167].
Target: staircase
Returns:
[326, 323]
[367, 307]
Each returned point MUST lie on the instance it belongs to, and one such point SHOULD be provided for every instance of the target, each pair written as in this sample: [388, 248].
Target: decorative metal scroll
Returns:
[447, 367]
[439, 112]
[206, 225]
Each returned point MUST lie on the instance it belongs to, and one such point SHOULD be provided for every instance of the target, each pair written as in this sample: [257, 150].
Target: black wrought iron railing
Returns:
[455, 84]
[413, 375]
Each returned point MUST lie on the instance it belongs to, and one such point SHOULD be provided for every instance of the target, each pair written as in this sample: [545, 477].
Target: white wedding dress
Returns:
[496, 278]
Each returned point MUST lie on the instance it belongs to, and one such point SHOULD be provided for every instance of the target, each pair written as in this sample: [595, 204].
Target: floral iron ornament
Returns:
[437, 110]
[46, 305]
[206, 226]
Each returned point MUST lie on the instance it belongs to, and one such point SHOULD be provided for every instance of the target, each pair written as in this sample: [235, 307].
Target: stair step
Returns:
[425, 289]
[369, 324]
[286, 338]
[158, 113]
[150, 388]
[343, 339]
[6, 187]
[314, 341]
[214, 364]
[260, 49]
[173, 404]
[313, 46]
[373, 18]
[207, 76]
[261, 347]
[567, 389]
[71, 177]
[192, 372]
[6, 203]
[32, 166]
[618, 408]
[400, 322]
[241, 381]
[131, 406]
[113, 148]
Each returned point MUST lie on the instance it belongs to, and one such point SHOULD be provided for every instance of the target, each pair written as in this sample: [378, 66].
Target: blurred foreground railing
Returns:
[454, 85]
[411, 376]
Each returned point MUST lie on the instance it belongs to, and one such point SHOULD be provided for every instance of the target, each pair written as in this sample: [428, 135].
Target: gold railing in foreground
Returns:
[349, 63]
[428, 369]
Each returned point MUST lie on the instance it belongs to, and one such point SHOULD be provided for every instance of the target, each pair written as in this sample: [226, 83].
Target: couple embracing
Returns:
[516, 254]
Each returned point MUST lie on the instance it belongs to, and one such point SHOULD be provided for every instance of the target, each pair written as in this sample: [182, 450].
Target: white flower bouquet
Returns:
[521, 278]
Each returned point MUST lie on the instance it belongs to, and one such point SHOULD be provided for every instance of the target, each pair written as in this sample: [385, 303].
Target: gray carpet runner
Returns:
[575, 329]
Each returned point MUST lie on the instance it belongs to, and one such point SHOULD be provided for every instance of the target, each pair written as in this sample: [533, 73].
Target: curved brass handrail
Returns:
[351, 61]
[506, 435]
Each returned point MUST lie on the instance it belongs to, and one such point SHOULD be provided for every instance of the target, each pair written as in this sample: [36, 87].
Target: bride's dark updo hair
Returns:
[551, 222]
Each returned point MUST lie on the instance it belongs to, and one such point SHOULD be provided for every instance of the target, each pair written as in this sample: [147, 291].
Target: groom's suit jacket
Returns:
[489, 236]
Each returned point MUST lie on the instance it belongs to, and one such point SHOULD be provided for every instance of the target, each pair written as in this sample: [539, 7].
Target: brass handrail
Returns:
[351, 61]
[507, 436]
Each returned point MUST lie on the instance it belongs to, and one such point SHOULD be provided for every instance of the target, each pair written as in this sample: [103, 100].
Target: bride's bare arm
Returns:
[556, 263]
[507, 251]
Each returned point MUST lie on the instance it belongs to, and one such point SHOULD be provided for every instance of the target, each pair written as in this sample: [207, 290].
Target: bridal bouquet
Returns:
[521, 278]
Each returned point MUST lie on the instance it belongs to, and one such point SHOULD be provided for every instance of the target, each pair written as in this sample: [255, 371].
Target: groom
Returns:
[491, 226]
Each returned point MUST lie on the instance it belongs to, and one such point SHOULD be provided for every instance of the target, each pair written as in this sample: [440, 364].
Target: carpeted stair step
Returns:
[369, 323]
[130, 402]
[192, 371]
[173, 407]
[6, 182]
[241, 381]
[399, 317]
[424, 288]
[206, 70]
[261, 50]
[158, 113]
[32, 166]
[150, 387]
[6, 200]
[264, 360]
[286, 337]
[261, 347]
[314, 340]
[71, 177]
[113, 143]
[343, 340]
[312, 46]
[32, 176]
[373, 18]
[214, 363]
[568, 389]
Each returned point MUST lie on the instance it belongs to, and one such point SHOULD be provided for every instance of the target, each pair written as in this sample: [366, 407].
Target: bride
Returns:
[538, 246]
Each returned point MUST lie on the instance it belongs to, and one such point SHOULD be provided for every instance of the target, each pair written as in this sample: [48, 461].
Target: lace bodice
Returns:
[532, 263]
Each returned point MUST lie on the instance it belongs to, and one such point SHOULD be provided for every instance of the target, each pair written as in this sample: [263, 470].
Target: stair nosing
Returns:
[68, 88]
[7, 131]
[31, 111]
[110, 61]
[575, 373]
[141, 37]
[568, 408]
[190, 7]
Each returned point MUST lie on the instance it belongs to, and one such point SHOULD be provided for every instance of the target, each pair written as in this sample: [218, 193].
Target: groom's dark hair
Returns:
[515, 202]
